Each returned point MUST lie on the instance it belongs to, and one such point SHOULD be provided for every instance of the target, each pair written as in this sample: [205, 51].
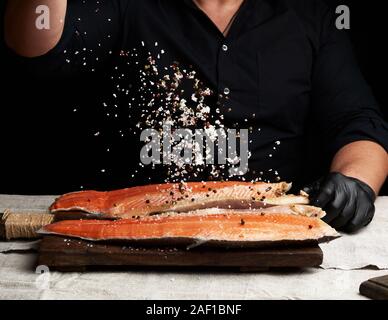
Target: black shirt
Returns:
[284, 71]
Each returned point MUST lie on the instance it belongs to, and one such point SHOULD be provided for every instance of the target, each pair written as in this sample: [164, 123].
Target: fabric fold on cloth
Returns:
[18, 246]
[21, 278]
[367, 248]
[24, 203]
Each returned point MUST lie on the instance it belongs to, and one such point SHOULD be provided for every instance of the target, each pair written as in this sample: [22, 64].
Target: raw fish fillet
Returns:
[184, 197]
[234, 229]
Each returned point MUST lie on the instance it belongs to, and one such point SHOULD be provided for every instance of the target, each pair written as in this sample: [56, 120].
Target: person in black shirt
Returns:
[279, 68]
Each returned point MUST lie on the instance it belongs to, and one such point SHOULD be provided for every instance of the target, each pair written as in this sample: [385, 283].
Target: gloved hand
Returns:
[348, 202]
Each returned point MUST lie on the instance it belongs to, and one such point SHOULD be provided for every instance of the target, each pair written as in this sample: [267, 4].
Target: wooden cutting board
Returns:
[375, 288]
[66, 254]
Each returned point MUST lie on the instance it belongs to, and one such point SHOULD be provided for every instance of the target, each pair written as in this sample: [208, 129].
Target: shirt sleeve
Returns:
[92, 33]
[344, 109]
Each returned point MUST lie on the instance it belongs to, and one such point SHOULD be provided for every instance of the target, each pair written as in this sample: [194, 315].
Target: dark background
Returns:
[36, 125]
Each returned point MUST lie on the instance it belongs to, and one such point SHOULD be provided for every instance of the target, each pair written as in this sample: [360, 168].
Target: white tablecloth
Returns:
[348, 261]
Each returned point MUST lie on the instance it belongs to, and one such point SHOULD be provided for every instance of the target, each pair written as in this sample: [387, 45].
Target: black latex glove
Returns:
[348, 202]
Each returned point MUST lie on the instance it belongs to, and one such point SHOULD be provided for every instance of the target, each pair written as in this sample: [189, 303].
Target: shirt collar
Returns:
[191, 4]
[254, 13]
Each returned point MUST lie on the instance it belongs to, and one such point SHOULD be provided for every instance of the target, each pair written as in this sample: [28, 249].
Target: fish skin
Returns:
[304, 210]
[157, 198]
[230, 230]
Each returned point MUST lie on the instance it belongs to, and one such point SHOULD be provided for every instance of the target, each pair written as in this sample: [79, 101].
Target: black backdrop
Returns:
[32, 127]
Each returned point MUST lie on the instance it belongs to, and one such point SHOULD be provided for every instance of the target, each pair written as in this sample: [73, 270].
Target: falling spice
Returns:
[175, 93]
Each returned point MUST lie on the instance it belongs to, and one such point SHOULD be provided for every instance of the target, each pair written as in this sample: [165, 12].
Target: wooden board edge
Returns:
[58, 253]
[373, 290]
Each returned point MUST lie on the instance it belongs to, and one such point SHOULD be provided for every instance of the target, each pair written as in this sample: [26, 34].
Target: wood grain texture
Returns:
[375, 288]
[67, 254]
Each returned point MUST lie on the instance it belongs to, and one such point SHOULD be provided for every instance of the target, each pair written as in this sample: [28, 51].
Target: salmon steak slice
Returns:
[178, 197]
[228, 230]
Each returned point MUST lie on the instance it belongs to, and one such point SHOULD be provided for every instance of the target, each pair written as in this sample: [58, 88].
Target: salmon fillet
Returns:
[304, 210]
[159, 198]
[233, 229]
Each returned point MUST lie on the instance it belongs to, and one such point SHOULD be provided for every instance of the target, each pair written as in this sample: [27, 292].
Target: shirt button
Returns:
[225, 47]
[226, 91]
